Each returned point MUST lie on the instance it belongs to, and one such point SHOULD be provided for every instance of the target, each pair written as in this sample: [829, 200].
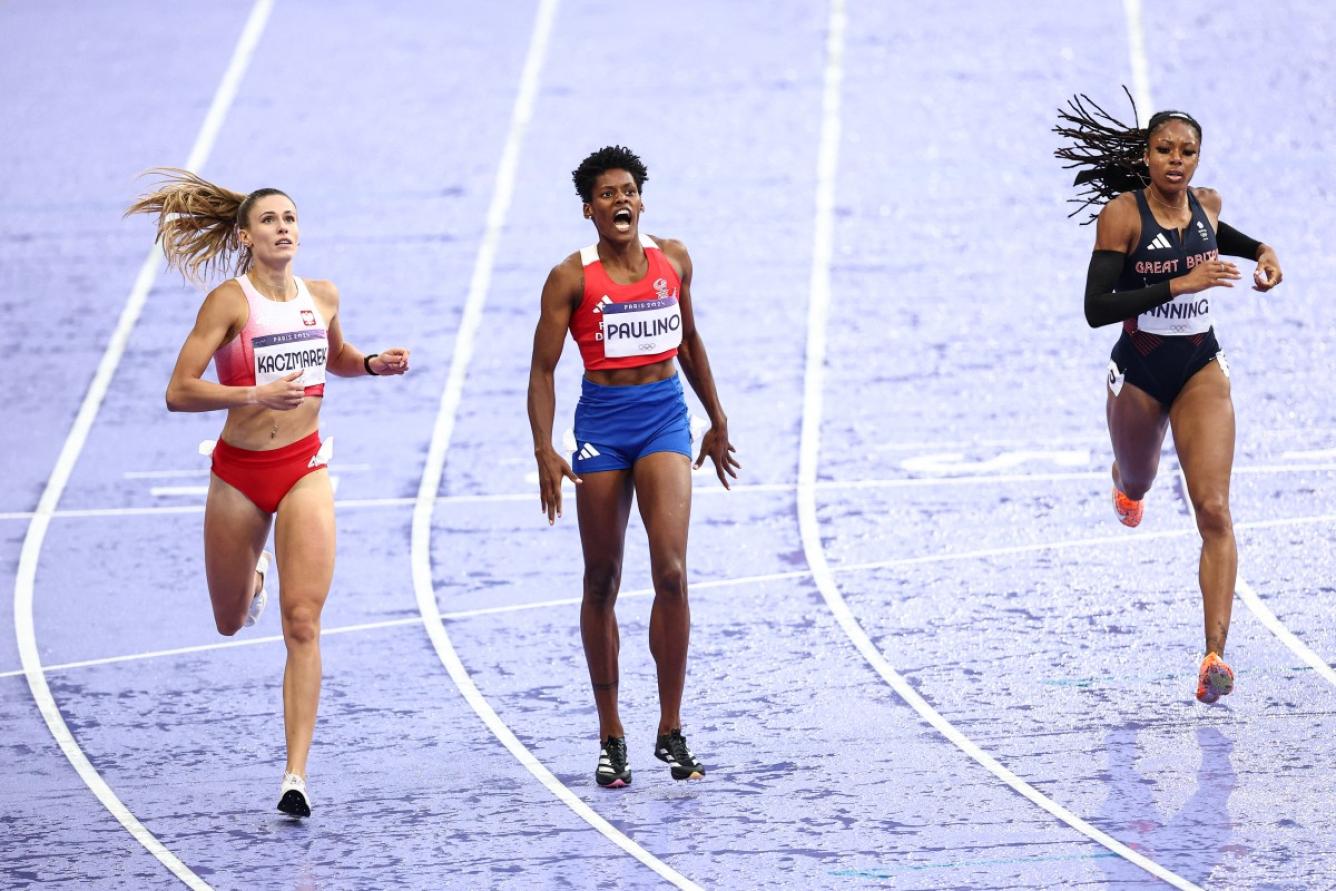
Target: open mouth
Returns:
[283, 242]
[622, 220]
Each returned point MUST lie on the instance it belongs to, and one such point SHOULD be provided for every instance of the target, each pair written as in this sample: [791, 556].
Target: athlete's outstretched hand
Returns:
[716, 446]
[552, 469]
[391, 361]
[1267, 274]
[284, 394]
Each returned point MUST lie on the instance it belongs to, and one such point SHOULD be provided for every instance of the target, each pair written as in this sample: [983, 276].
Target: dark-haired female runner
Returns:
[626, 301]
[271, 337]
[1158, 243]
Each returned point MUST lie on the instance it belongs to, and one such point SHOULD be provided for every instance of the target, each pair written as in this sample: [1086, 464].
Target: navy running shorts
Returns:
[1162, 365]
[617, 426]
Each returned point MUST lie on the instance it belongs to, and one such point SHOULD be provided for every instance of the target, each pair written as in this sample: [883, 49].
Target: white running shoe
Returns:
[257, 604]
[292, 798]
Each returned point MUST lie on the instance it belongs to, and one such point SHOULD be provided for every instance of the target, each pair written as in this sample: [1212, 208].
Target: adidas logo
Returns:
[321, 457]
[587, 451]
[1159, 242]
[598, 307]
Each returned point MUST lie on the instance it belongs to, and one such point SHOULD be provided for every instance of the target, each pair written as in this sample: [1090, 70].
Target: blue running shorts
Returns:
[617, 426]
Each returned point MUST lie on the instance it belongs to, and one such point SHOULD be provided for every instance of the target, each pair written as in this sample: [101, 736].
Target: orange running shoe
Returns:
[1215, 679]
[1129, 512]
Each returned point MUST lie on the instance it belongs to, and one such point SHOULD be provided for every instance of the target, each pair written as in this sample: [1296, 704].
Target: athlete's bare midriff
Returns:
[258, 428]
[630, 377]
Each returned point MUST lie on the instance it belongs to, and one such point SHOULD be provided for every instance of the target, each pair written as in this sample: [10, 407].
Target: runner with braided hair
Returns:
[1158, 246]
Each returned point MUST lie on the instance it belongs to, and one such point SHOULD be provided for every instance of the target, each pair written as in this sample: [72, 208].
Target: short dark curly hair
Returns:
[611, 157]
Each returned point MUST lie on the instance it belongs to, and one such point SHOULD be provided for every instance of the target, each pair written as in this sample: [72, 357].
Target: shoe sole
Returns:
[261, 597]
[618, 783]
[294, 804]
[256, 609]
[1129, 518]
[683, 773]
[1218, 683]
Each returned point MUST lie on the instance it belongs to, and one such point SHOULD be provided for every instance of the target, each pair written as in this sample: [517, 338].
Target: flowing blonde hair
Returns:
[198, 223]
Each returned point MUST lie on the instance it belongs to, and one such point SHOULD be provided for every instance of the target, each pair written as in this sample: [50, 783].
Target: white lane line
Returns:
[1276, 627]
[703, 491]
[178, 491]
[1260, 609]
[25, 579]
[442, 432]
[204, 472]
[809, 456]
[1311, 454]
[229, 644]
[696, 585]
[1136, 47]
[203, 491]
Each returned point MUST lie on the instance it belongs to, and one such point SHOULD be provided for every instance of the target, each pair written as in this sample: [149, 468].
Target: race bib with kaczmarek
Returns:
[278, 355]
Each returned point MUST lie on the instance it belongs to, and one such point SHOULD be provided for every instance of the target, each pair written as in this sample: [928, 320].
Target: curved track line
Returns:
[1261, 610]
[25, 578]
[823, 239]
[451, 397]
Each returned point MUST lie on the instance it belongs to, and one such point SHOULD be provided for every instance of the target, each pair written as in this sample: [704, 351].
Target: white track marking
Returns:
[1312, 455]
[956, 462]
[696, 585]
[178, 491]
[809, 454]
[1136, 46]
[204, 472]
[25, 579]
[442, 432]
[203, 491]
[1260, 609]
[229, 644]
[705, 490]
[1276, 627]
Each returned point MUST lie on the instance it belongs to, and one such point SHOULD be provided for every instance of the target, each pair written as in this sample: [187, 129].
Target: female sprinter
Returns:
[271, 337]
[627, 303]
[1157, 252]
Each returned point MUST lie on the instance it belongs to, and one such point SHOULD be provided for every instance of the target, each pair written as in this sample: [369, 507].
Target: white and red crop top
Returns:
[279, 337]
[626, 326]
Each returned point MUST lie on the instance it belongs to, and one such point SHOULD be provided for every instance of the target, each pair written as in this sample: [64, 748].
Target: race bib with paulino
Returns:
[641, 328]
[278, 355]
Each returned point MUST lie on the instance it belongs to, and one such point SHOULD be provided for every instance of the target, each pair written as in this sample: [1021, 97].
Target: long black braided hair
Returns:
[1109, 152]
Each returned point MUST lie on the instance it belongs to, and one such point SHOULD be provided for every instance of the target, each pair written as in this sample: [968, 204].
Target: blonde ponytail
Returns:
[197, 224]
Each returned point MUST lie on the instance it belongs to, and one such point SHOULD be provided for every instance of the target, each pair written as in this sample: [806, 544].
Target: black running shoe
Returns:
[672, 750]
[614, 771]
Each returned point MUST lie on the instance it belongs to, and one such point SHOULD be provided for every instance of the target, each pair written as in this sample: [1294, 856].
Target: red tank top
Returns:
[626, 326]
